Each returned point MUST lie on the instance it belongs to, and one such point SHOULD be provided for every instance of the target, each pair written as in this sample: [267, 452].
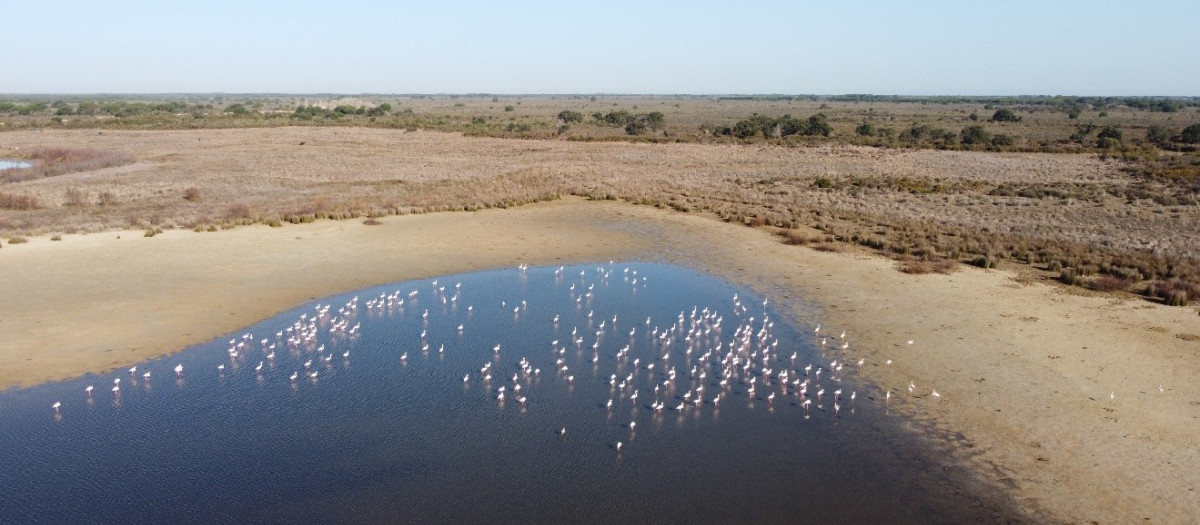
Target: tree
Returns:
[1005, 115]
[637, 127]
[619, 118]
[237, 109]
[1190, 134]
[789, 125]
[817, 125]
[866, 129]
[972, 135]
[568, 116]
[1109, 132]
[654, 119]
[746, 128]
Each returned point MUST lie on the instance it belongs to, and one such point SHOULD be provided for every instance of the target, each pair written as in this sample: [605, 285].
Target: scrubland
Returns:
[1083, 219]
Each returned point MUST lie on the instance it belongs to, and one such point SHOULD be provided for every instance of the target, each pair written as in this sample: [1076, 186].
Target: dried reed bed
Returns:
[923, 207]
[52, 161]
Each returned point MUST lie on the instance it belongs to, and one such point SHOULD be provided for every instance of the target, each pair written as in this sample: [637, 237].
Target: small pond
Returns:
[588, 394]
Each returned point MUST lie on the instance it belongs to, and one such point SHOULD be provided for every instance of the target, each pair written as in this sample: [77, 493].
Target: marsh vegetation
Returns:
[1093, 192]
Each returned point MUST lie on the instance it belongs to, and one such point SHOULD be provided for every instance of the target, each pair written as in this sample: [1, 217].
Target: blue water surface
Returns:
[401, 422]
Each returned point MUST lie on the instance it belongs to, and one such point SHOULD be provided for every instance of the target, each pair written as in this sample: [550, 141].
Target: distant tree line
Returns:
[1066, 103]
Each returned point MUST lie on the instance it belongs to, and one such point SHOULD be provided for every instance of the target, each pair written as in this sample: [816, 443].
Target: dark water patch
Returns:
[389, 430]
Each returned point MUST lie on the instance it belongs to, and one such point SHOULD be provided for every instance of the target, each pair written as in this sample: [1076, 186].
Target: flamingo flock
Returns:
[698, 360]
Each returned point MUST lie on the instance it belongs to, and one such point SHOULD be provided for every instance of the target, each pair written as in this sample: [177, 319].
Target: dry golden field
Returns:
[1070, 213]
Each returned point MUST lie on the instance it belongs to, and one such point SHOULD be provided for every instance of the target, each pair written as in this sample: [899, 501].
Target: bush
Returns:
[192, 194]
[240, 210]
[1070, 276]
[1175, 292]
[984, 261]
[865, 130]
[1005, 115]
[1190, 134]
[1109, 132]
[17, 240]
[568, 117]
[972, 135]
[1002, 140]
[1108, 283]
[1159, 135]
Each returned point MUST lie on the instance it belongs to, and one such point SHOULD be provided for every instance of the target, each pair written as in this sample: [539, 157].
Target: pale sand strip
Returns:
[1025, 371]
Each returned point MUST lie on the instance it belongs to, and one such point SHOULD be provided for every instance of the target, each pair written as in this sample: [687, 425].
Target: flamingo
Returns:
[179, 370]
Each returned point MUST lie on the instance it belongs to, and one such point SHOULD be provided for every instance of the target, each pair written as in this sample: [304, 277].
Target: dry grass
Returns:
[922, 266]
[10, 201]
[1052, 211]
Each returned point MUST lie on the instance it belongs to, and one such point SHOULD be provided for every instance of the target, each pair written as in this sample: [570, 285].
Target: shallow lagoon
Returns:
[9, 164]
[392, 431]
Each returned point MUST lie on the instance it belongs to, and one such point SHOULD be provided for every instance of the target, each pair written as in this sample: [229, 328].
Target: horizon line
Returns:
[595, 94]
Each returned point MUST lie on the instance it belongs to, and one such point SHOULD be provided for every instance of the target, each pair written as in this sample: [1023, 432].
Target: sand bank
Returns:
[1053, 395]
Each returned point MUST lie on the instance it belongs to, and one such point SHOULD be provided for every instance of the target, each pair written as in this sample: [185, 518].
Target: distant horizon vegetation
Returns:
[1150, 144]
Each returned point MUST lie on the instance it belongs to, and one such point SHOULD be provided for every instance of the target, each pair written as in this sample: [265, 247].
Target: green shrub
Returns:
[1005, 115]
[1190, 134]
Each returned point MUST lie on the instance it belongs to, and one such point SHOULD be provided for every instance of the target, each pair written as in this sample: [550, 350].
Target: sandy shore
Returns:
[1052, 395]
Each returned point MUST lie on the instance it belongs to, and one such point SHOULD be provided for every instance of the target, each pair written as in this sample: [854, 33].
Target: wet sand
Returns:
[1050, 394]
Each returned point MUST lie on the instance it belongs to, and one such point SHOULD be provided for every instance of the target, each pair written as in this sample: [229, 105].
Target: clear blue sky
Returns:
[906, 47]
